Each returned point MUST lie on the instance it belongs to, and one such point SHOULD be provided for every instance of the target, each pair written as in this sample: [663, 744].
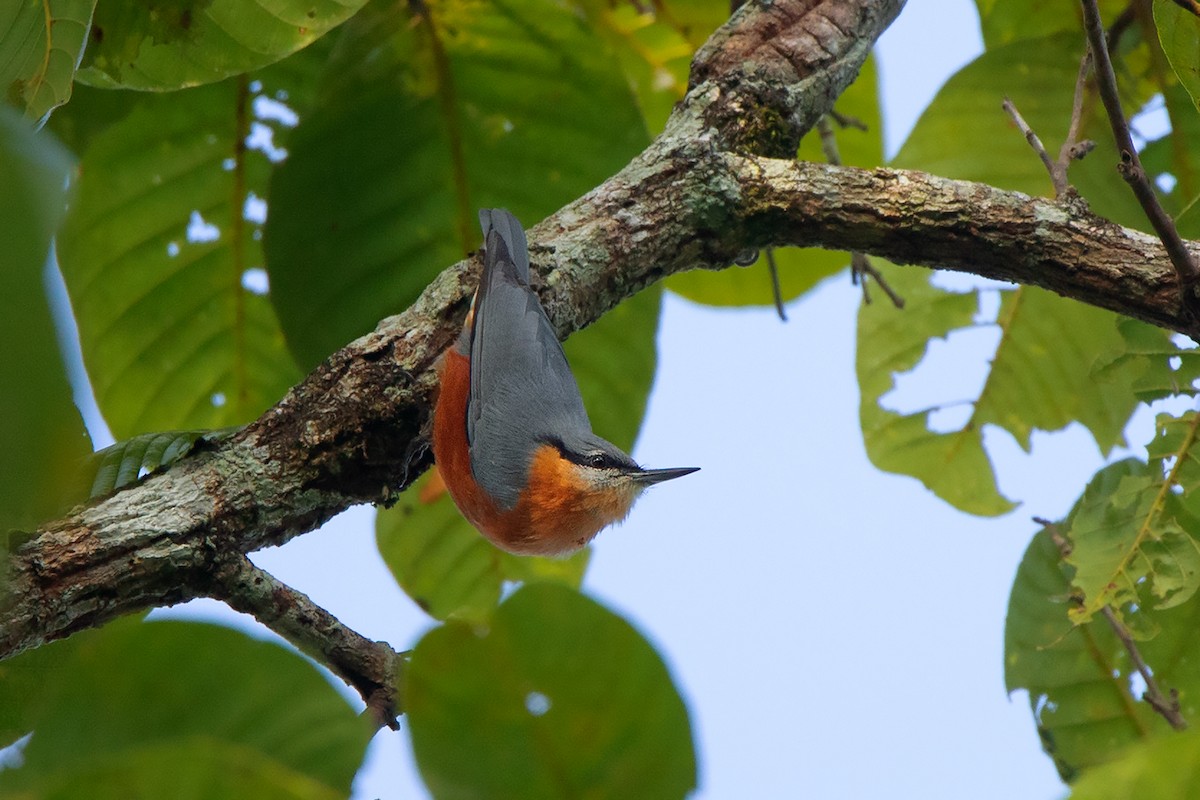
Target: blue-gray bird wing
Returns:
[522, 389]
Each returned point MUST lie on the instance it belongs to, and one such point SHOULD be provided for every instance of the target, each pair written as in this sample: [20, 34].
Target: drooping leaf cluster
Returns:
[1126, 562]
[253, 184]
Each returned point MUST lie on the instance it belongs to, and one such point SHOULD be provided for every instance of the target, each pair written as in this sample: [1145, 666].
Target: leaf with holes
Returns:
[1041, 374]
[555, 697]
[1040, 378]
[442, 562]
[954, 465]
[1173, 454]
[159, 254]
[1128, 550]
[1078, 675]
[40, 44]
[170, 709]
[421, 121]
[183, 43]
[1158, 366]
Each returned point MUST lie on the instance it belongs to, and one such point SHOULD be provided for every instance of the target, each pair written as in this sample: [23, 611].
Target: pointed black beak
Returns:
[650, 477]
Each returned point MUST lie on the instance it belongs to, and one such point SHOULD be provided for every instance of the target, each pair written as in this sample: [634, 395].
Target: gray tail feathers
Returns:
[511, 233]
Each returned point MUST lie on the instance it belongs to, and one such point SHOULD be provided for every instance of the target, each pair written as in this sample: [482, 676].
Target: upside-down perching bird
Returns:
[511, 437]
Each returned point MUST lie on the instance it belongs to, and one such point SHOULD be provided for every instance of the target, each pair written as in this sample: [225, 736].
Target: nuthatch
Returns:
[510, 435]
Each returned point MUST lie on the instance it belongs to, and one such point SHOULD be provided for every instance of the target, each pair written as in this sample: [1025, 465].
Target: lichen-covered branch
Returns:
[917, 218]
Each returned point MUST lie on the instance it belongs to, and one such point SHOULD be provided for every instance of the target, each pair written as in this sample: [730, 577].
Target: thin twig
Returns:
[1121, 24]
[1073, 148]
[1057, 176]
[861, 263]
[847, 121]
[776, 291]
[370, 667]
[860, 266]
[1131, 166]
[1167, 705]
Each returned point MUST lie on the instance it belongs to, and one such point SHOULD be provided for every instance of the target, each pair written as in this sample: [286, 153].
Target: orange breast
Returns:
[557, 513]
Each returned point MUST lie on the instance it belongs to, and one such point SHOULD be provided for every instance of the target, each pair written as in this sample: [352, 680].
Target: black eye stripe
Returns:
[595, 460]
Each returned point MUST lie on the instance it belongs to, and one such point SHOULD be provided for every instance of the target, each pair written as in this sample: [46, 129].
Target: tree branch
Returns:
[372, 668]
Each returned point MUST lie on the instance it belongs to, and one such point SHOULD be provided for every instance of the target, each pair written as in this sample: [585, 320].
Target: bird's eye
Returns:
[597, 460]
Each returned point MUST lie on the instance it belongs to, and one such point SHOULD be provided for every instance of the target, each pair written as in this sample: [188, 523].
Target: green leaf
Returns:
[155, 253]
[1004, 21]
[193, 767]
[41, 434]
[25, 683]
[1133, 530]
[181, 43]
[1084, 712]
[556, 697]
[40, 44]
[440, 560]
[1077, 676]
[125, 462]
[1157, 366]
[653, 51]
[1041, 378]
[1128, 550]
[953, 466]
[1165, 769]
[161, 706]
[800, 269]
[696, 20]
[1179, 33]
[421, 121]
[1042, 374]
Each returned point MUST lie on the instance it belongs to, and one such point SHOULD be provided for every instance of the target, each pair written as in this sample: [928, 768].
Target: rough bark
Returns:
[716, 183]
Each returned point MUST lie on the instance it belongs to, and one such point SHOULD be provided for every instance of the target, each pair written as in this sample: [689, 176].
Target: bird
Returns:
[511, 437]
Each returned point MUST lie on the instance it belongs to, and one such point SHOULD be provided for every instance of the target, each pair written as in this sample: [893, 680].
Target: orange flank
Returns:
[557, 513]
[450, 447]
